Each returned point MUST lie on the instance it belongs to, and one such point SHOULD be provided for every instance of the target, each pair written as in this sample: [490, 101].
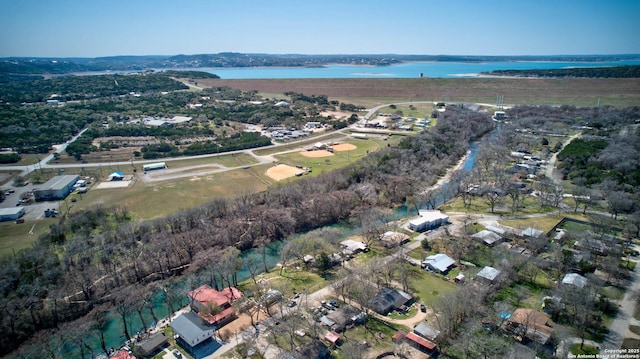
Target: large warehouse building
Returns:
[56, 188]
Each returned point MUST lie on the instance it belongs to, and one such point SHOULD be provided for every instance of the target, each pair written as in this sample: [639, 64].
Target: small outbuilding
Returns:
[11, 213]
[532, 232]
[116, 176]
[426, 331]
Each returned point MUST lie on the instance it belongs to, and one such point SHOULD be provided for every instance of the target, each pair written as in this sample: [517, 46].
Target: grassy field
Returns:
[150, 200]
[338, 160]
[15, 237]
[428, 287]
[370, 92]
[545, 223]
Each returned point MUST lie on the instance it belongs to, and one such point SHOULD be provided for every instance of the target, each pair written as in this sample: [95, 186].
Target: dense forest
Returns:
[96, 259]
[592, 72]
[120, 100]
[73, 88]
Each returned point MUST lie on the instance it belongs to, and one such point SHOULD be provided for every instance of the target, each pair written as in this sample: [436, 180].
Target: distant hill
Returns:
[60, 66]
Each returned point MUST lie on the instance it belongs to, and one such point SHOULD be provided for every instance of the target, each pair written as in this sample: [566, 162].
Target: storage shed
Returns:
[11, 213]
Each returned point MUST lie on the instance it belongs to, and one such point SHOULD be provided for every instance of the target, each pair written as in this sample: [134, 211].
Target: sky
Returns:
[94, 28]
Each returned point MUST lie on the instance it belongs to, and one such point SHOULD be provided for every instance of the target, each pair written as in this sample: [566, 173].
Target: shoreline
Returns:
[449, 174]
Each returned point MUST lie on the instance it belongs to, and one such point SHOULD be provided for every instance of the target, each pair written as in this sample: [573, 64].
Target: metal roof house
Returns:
[389, 299]
[574, 279]
[532, 232]
[192, 332]
[487, 237]
[439, 263]
[428, 220]
[56, 188]
[488, 274]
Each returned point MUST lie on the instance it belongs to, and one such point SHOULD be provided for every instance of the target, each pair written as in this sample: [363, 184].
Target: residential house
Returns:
[439, 263]
[151, 345]
[529, 324]
[343, 317]
[214, 306]
[532, 233]
[194, 334]
[574, 279]
[488, 275]
[487, 237]
[428, 220]
[123, 354]
[391, 239]
[389, 299]
[351, 247]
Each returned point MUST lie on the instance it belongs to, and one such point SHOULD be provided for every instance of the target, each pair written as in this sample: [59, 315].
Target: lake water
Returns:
[404, 70]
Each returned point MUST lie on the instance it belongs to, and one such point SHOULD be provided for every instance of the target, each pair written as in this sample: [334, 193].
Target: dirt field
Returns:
[344, 147]
[280, 172]
[316, 153]
[578, 92]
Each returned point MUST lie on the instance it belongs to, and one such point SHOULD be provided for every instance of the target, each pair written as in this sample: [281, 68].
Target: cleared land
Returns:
[369, 92]
[316, 153]
[280, 172]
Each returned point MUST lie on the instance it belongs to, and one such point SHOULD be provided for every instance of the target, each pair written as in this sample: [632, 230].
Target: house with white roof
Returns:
[488, 274]
[439, 263]
[487, 237]
[428, 220]
[574, 279]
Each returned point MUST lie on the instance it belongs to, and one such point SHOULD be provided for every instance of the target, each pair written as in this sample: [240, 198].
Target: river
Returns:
[113, 332]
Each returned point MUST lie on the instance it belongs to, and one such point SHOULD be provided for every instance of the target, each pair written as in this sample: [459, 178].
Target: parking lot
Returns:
[33, 210]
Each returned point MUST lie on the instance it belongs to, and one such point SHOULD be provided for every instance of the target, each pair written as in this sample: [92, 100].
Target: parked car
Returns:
[176, 353]
[423, 308]
[292, 304]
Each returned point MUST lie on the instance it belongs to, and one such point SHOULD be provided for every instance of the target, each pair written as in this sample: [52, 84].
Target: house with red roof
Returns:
[123, 354]
[213, 306]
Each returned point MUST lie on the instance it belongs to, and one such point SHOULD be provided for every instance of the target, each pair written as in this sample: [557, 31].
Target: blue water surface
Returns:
[403, 70]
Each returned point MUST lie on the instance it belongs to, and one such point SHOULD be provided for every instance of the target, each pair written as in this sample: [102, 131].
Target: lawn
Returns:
[545, 223]
[429, 287]
[371, 334]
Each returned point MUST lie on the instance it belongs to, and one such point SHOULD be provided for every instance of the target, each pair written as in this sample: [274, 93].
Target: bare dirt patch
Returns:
[280, 172]
[316, 153]
[113, 184]
[343, 147]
